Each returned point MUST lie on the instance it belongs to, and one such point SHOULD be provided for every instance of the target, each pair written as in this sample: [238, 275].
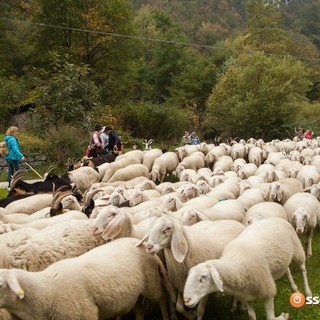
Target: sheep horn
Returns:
[56, 207]
[50, 169]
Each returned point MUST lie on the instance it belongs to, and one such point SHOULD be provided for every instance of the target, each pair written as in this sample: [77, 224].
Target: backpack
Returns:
[4, 151]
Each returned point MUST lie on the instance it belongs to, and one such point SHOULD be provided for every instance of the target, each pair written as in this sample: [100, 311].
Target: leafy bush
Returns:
[151, 121]
[65, 142]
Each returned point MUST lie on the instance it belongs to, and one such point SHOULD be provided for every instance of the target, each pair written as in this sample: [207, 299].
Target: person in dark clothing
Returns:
[114, 140]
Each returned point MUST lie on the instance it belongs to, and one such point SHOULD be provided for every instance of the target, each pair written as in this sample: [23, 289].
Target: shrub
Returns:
[65, 142]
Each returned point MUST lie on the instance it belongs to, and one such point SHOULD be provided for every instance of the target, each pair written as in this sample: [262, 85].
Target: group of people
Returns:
[308, 134]
[190, 138]
[104, 140]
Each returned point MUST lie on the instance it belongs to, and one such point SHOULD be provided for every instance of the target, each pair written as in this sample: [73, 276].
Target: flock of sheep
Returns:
[232, 224]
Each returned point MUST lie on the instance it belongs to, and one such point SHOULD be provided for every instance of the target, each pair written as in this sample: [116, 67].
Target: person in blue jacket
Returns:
[15, 156]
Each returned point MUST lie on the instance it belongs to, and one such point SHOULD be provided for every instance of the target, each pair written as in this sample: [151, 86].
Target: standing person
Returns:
[105, 138]
[114, 140]
[308, 134]
[15, 154]
[299, 134]
[185, 139]
[95, 144]
[194, 138]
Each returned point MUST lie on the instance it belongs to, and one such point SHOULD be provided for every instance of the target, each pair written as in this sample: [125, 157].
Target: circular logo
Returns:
[297, 299]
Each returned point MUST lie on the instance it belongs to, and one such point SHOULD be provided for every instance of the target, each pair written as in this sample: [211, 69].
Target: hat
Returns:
[106, 128]
[97, 127]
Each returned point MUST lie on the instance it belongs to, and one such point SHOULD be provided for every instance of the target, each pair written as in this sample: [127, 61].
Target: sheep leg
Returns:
[201, 307]
[307, 289]
[269, 309]
[308, 248]
[293, 285]
[251, 312]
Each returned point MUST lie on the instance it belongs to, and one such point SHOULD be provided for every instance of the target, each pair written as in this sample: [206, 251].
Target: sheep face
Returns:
[155, 175]
[167, 233]
[136, 198]
[160, 235]
[202, 280]
[300, 220]
[103, 219]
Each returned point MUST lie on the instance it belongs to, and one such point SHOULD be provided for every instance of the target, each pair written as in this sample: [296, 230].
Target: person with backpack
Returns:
[15, 156]
[114, 144]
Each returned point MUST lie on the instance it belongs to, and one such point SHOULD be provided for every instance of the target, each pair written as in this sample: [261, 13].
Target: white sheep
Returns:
[84, 177]
[31, 204]
[59, 241]
[114, 166]
[255, 156]
[264, 210]
[139, 196]
[129, 172]
[251, 197]
[280, 191]
[43, 223]
[303, 210]
[104, 291]
[150, 156]
[5, 217]
[194, 161]
[164, 165]
[189, 175]
[224, 210]
[113, 223]
[308, 175]
[247, 170]
[249, 266]
[135, 154]
[185, 247]
[214, 154]
[223, 163]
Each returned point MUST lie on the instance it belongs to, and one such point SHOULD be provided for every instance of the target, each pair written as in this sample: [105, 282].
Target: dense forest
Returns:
[153, 68]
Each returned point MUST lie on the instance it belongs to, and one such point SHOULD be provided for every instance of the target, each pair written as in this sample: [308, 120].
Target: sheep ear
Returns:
[201, 216]
[216, 277]
[280, 195]
[145, 238]
[179, 204]
[14, 285]
[179, 245]
[267, 195]
[114, 227]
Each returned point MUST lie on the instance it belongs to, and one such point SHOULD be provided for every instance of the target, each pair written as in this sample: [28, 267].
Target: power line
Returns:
[180, 43]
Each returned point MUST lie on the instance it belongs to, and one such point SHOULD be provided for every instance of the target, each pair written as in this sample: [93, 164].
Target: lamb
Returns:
[303, 210]
[185, 247]
[264, 210]
[114, 166]
[103, 290]
[282, 190]
[129, 172]
[164, 165]
[249, 266]
[150, 156]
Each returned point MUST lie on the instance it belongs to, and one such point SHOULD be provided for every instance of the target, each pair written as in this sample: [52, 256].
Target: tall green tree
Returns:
[257, 96]
[63, 93]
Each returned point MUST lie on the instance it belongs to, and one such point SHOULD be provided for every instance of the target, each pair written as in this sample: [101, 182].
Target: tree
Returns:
[63, 93]
[257, 96]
